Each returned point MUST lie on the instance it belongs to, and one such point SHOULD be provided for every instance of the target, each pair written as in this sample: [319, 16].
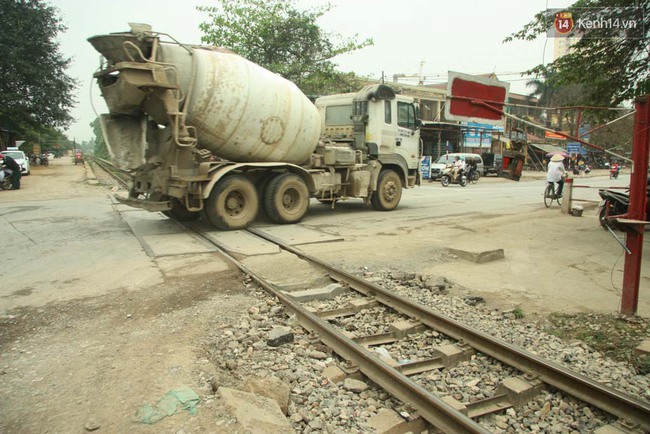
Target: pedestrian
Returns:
[15, 169]
[556, 173]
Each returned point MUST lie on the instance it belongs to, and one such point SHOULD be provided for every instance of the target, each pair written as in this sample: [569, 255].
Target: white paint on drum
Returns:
[241, 111]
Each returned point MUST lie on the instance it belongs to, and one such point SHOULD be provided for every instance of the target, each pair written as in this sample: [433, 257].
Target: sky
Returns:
[432, 36]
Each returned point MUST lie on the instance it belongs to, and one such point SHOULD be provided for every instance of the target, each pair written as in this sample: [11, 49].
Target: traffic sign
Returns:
[476, 99]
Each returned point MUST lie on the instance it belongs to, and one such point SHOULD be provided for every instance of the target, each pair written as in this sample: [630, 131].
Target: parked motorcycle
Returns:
[614, 203]
[5, 181]
[448, 177]
[39, 160]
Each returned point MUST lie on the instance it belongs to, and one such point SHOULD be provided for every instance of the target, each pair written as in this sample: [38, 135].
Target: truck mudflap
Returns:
[144, 204]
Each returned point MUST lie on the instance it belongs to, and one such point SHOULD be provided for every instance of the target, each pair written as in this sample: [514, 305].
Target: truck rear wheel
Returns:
[389, 191]
[180, 213]
[232, 204]
[286, 199]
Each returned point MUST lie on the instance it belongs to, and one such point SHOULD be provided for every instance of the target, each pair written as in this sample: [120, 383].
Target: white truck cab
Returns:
[379, 123]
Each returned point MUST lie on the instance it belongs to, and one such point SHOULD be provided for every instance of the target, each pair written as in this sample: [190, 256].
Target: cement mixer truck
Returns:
[204, 132]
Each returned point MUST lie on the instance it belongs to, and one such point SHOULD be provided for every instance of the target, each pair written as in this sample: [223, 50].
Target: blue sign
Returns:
[425, 167]
[479, 135]
[575, 148]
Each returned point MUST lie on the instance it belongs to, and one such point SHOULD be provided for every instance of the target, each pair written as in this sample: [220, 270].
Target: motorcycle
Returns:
[5, 175]
[613, 172]
[615, 203]
[39, 160]
[448, 177]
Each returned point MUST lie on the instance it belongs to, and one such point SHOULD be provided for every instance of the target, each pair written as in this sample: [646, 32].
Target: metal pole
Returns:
[636, 211]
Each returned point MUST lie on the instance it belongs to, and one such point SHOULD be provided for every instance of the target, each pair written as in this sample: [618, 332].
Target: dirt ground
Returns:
[81, 353]
[77, 356]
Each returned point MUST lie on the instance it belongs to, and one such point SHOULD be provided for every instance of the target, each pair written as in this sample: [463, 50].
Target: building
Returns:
[440, 135]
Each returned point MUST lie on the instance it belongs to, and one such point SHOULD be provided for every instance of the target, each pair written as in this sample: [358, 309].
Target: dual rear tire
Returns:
[234, 202]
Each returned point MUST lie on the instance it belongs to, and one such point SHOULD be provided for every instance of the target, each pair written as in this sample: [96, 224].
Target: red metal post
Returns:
[636, 210]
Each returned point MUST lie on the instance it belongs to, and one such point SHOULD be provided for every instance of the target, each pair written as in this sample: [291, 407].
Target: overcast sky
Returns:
[456, 35]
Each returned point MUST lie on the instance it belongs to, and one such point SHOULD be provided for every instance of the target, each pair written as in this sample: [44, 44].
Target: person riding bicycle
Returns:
[471, 168]
[556, 172]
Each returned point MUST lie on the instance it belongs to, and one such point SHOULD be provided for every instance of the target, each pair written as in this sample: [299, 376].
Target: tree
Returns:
[100, 149]
[282, 39]
[35, 92]
[612, 64]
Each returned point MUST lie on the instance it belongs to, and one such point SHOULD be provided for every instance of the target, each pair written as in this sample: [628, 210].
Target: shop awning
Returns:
[547, 148]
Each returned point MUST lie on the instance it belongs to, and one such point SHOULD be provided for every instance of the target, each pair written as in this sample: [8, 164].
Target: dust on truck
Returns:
[205, 132]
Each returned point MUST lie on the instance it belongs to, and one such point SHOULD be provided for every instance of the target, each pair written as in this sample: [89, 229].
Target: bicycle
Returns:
[473, 176]
[550, 195]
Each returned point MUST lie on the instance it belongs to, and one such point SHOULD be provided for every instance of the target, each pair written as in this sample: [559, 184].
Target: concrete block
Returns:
[296, 234]
[452, 354]
[387, 421]
[405, 327]
[271, 387]
[360, 304]
[643, 349]
[334, 374]
[457, 405]
[279, 336]
[620, 428]
[353, 385]
[518, 390]
[256, 414]
[325, 293]
[479, 257]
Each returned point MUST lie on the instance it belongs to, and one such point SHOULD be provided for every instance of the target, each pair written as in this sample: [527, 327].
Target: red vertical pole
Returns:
[636, 210]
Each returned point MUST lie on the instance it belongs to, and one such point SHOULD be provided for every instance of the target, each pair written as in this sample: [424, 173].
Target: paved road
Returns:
[65, 239]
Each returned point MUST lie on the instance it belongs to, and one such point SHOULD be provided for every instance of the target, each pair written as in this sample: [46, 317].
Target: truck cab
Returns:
[380, 124]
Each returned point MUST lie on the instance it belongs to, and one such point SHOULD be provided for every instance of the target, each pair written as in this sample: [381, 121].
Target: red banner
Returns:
[550, 135]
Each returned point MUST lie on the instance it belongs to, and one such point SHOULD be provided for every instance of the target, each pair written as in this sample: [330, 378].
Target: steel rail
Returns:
[430, 407]
[104, 164]
[606, 398]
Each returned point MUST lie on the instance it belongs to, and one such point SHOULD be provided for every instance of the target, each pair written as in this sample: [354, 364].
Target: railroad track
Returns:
[120, 176]
[409, 319]
[525, 377]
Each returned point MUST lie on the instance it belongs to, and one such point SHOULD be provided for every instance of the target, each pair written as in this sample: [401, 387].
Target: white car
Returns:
[20, 158]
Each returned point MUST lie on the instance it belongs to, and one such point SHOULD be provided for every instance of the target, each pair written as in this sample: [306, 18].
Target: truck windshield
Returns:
[405, 115]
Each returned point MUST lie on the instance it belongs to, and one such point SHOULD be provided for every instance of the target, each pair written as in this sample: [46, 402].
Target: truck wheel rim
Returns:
[234, 203]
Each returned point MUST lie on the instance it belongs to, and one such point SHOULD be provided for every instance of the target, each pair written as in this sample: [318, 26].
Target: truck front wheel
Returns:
[286, 199]
[389, 191]
[232, 204]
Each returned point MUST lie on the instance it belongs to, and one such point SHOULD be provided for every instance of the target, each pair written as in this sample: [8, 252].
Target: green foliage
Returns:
[48, 138]
[612, 69]
[282, 39]
[614, 336]
[100, 148]
[35, 92]
[518, 313]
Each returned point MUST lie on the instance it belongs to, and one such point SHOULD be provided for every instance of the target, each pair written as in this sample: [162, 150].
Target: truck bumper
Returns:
[144, 204]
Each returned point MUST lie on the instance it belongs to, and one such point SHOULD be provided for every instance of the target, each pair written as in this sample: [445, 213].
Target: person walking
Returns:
[556, 173]
[15, 169]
